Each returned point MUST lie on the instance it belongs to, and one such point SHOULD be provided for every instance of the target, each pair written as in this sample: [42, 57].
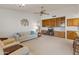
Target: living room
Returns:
[23, 27]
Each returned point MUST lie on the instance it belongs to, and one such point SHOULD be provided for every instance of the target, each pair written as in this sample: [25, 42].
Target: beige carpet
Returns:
[49, 45]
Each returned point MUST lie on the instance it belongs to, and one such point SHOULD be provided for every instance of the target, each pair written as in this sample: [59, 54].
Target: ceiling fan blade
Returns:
[36, 12]
[54, 16]
[42, 12]
[46, 13]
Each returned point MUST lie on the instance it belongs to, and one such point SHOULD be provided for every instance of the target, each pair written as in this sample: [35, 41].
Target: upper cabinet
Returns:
[69, 22]
[60, 21]
[73, 22]
[45, 23]
[53, 22]
[76, 22]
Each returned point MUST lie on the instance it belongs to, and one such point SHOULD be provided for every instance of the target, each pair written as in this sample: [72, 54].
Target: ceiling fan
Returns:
[42, 12]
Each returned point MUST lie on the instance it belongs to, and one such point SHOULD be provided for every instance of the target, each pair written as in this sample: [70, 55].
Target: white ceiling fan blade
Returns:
[36, 12]
[54, 16]
[46, 13]
[42, 12]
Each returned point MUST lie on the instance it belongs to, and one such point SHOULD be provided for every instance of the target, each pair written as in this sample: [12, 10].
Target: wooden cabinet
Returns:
[76, 22]
[60, 22]
[59, 34]
[45, 23]
[71, 35]
[73, 22]
[53, 22]
[48, 23]
[69, 22]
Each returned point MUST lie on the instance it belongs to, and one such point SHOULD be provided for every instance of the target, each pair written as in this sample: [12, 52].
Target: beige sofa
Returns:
[23, 36]
[10, 42]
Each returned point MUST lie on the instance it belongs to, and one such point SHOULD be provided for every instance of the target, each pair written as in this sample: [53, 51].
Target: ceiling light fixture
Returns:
[22, 5]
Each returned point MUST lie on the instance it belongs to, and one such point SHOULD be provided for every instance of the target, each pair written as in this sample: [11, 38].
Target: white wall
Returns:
[10, 22]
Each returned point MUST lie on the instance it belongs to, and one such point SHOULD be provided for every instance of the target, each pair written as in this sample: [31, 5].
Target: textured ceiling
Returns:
[36, 7]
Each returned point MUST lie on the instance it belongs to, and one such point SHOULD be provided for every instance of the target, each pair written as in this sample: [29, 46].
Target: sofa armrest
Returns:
[14, 43]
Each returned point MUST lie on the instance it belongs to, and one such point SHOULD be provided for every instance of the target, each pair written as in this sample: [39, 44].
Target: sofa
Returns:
[7, 44]
[23, 36]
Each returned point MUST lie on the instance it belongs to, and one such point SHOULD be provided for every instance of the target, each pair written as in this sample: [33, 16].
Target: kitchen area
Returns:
[57, 27]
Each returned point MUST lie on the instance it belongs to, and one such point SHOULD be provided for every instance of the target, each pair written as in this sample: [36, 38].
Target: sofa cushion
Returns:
[8, 41]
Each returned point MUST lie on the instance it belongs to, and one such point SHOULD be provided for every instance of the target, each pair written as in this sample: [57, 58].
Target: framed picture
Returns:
[24, 22]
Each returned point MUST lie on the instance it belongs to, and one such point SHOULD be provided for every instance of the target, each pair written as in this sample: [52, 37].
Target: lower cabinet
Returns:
[71, 35]
[59, 34]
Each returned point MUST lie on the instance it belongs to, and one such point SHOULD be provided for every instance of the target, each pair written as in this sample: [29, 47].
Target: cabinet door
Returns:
[73, 22]
[69, 22]
[48, 23]
[57, 22]
[60, 21]
[53, 22]
[76, 22]
[44, 23]
[59, 34]
[71, 35]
